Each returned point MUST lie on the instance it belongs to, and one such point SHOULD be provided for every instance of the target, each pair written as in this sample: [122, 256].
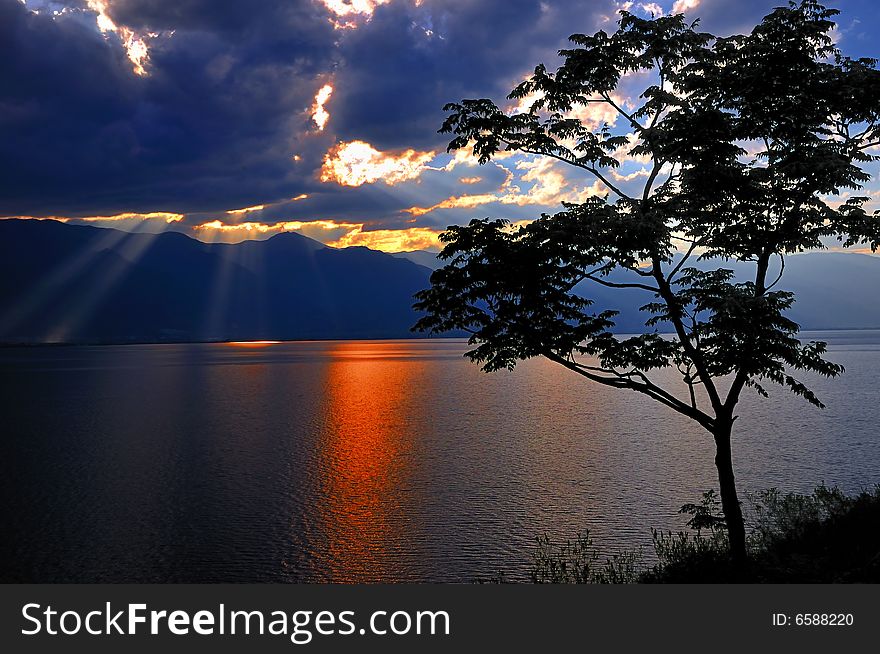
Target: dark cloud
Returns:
[399, 70]
[215, 123]
[226, 103]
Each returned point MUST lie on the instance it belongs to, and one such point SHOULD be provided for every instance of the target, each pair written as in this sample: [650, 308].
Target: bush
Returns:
[579, 562]
[824, 537]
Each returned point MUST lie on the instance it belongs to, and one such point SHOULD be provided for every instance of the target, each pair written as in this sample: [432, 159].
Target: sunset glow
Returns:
[329, 232]
[549, 187]
[435, 293]
[319, 113]
[355, 163]
[350, 10]
[328, 106]
[244, 210]
[366, 445]
[392, 240]
[135, 46]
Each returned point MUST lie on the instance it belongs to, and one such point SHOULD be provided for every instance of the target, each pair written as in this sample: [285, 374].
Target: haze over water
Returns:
[355, 461]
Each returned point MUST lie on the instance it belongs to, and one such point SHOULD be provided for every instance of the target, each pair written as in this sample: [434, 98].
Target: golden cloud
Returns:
[350, 10]
[620, 177]
[592, 114]
[260, 207]
[456, 202]
[330, 232]
[134, 44]
[243, 210]
[595, 114]
[549, 187]
[392, 240]
[319, 114]
[354, 163]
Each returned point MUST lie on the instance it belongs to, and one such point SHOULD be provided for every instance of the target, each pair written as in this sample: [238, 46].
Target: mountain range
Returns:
[76, 283]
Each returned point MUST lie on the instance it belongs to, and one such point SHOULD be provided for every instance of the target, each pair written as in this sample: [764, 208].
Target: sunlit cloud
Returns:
[624, 154]
[244, 210]
[354, 163]
[618, 7]
[320, 114]
[682, 6]
[261, 207]
[651, 9]
[621, 177]
[148, 223]
[852, 250]
[465, 157]
[347, 12]
[457, 202]
[592, 115]
[330, 232]
[134, 44]
[320, 230]
[549, 188]
[470, 180]
[392, 240]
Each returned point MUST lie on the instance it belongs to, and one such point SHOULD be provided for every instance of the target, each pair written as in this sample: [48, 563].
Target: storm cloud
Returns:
[204, 109]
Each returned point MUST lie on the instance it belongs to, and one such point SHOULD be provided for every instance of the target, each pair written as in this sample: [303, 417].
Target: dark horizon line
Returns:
[112, 343]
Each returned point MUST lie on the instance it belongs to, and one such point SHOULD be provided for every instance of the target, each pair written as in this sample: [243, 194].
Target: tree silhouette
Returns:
[750, 141]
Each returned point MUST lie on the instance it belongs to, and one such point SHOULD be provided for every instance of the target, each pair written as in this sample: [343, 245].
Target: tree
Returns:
[751, 140]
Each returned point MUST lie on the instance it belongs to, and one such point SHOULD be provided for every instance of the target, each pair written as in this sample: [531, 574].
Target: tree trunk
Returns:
[733, 516]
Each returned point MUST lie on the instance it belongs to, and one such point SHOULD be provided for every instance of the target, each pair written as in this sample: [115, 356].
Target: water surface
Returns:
[369, 461]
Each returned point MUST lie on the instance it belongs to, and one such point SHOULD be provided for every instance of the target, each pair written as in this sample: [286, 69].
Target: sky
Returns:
[235, 119]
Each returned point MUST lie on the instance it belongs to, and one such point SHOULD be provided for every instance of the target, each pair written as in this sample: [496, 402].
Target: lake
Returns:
[370, 461]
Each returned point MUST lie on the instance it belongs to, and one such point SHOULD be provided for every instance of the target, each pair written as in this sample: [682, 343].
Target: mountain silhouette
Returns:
[73, 283]
[76, 283]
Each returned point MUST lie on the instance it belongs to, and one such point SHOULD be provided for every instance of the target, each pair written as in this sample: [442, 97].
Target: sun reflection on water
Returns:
[367, 441]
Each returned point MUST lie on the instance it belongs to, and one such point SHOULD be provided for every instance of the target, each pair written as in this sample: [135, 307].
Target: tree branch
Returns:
[632, 121]
[645, 387]
[591, 169]
[605, 282]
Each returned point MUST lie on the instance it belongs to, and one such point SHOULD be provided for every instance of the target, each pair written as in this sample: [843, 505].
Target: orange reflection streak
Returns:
[365, 448]
[252, 343]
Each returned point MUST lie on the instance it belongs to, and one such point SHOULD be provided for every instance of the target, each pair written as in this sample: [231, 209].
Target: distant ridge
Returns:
[73, 283]
[83, 284]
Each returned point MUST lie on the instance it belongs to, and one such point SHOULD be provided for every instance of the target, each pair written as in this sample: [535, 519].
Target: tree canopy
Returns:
[756, 147]
[750, 140]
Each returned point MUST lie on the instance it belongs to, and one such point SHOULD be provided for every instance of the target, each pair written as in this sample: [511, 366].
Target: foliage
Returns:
[748, 137]
[749, 140]
[825, 537]
[699, 555]
[580, 562]
[822, 537]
